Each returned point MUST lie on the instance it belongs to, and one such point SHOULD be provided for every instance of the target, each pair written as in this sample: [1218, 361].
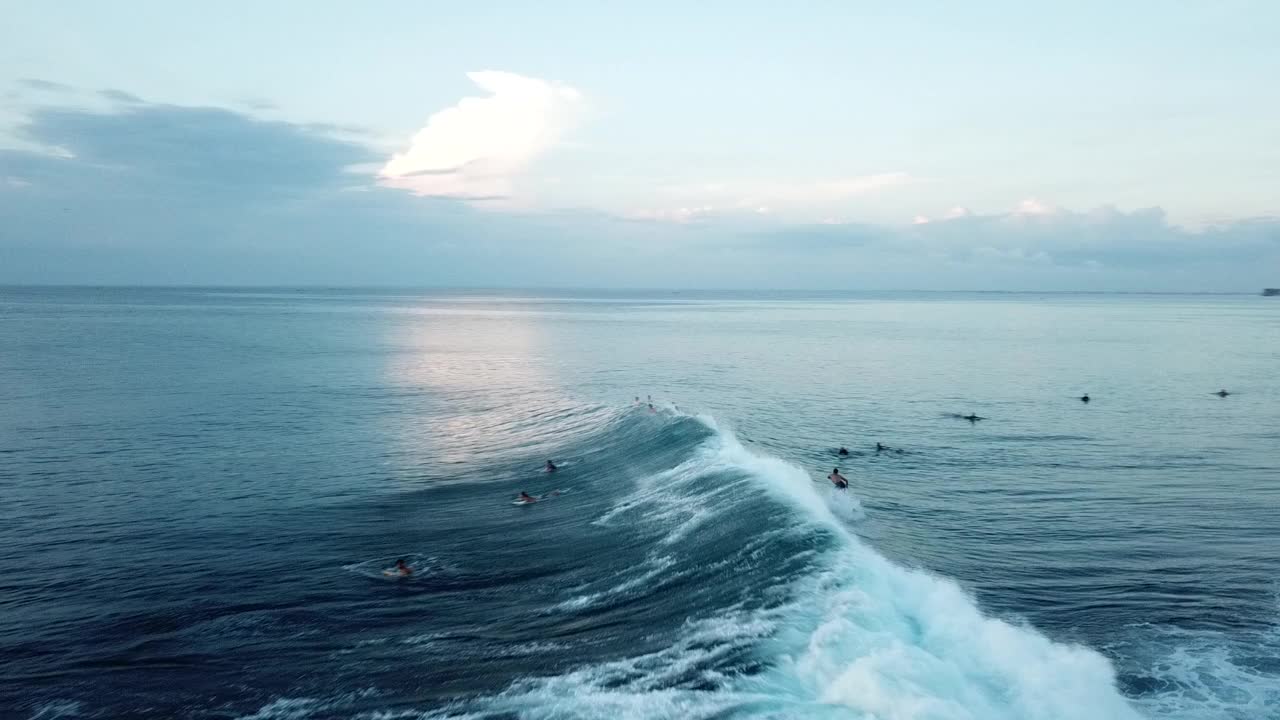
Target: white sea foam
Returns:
[897, 643]
[1203, 674]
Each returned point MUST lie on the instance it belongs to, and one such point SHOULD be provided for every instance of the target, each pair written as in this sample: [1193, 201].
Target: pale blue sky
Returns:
[741, 119]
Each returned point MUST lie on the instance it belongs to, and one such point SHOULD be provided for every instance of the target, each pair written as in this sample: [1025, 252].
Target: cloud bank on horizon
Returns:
[108, 188]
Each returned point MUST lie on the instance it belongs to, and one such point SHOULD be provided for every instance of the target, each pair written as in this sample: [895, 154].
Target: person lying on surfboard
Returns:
[526, 497]
[837, 479]
[551, 467]
[403, 569]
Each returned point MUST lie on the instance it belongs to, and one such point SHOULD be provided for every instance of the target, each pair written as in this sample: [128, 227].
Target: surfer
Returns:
[880, 447]
[971, 417]
[526, 498]
[1222, 393]
[651, 408]
[843, 452]
[402, 569]
[837, 479]
[551, 467]
[1084, 398]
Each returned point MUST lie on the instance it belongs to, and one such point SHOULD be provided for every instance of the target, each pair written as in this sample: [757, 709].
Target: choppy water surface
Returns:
[202, 489]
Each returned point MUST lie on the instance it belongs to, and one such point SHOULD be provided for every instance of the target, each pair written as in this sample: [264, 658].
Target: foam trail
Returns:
[1206, 674]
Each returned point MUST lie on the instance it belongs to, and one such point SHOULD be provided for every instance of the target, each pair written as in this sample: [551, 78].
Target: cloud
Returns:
[119, 96]
[1036, 233]
[480, 147]
[166, 194]
[951, 214]
[163, 194]
[1032, 206]
[812, 197]
[197, 149]
[800, 197]
[45, 85]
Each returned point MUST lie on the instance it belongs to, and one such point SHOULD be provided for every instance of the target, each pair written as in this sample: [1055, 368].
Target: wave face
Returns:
[806, 620]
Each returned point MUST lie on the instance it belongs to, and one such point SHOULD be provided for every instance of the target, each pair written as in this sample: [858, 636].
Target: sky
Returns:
[830, 145]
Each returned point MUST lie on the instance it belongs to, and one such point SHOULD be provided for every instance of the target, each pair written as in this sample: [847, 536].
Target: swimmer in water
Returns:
[1084, 398]
[651, 408]
[402, 569]
[526, 498]
[551, 467]
[837, 479]
[842, 452]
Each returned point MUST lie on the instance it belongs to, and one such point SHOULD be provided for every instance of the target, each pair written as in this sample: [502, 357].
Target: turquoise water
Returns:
[202, 487]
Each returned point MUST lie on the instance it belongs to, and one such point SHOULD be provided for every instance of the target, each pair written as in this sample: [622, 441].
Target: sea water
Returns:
[200, 490]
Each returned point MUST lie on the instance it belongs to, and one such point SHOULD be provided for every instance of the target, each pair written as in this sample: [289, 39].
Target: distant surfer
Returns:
[402, 569]
[651, 409]
[971, 417]
[840, 481]
[1084, 398]
[551, 467]
[1222, 393]
[881, 447]
[526, 498]
[843, 452]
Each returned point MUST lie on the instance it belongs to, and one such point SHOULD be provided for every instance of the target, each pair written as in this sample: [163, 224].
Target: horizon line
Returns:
[583, 288]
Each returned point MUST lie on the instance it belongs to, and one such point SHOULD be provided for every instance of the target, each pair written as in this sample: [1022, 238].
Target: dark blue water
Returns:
[201, 490]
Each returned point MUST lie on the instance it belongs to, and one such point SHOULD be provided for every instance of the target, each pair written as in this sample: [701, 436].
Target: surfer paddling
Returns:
[550, 467]
[526, 498]
[401, 568]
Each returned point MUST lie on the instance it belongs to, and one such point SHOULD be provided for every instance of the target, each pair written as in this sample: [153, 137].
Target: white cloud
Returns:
[813, 197]
[477, 148]
[954, 213]
[1032, 206]
[677, 215]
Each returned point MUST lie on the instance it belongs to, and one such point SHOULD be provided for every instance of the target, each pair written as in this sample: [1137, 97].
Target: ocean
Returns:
[201, 489]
